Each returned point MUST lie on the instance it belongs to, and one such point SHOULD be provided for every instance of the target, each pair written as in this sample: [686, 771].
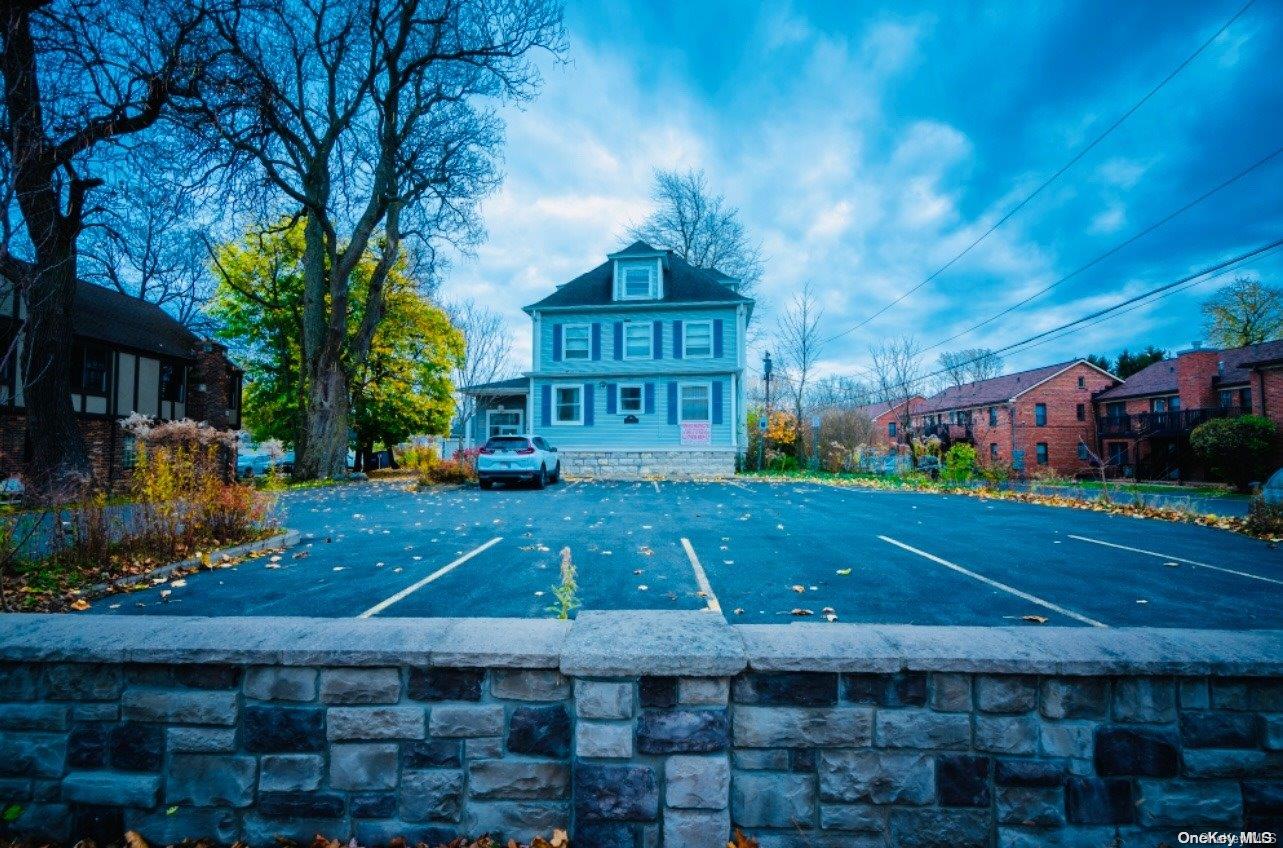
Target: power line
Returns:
[1113, 250]
[1055, 176]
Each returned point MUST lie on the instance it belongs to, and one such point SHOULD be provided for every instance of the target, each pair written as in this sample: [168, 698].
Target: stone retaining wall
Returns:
[637, 730]
[646, 465]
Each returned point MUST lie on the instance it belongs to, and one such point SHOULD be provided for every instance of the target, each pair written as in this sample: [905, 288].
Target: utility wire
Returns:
[1055, 176]
[1113, 250]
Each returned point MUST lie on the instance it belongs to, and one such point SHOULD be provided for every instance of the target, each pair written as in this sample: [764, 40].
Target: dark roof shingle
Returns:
[991, 391]
[1159, 378]
[108, 316]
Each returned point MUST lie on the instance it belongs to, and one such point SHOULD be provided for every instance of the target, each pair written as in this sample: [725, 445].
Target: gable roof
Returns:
[516, 385]
[683, 283]
[106, 315]
[995, 389]
[875, 410]
[1159, 378]
[1156, 378]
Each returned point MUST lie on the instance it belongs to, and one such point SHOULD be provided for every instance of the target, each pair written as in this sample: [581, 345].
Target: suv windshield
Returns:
[507, 443]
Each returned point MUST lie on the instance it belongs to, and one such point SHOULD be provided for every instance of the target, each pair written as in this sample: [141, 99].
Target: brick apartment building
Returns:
[1145, 422]
[1042, 418]
[127, 356]
[889, 418]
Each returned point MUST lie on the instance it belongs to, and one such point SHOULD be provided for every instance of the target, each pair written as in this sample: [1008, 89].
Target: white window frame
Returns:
[578, 387]
[681, 417]
[652, 283]
[686, 325]
[650, 339]
[641, 399]
[565, 342]
[521, 421]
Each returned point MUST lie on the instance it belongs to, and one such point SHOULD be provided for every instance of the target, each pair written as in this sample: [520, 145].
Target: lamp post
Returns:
[766, 376]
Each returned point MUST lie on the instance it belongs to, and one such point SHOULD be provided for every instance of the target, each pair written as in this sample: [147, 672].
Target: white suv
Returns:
[518, 458]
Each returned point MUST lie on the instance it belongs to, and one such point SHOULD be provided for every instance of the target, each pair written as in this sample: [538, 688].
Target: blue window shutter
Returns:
[556, 342]
[717, 338]
[610, 398]
[716, 392]
[677, 340]
[588, 404]
[659, 340]
[545, 405]
[619, 339]
[672, 403]
[596, 340]
[649, 392]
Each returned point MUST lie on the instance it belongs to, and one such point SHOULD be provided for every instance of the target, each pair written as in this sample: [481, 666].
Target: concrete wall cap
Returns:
[622, 643]
[501, 643]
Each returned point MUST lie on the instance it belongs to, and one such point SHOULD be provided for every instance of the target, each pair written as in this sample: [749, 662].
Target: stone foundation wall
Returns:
[648, 465]
[636, 730]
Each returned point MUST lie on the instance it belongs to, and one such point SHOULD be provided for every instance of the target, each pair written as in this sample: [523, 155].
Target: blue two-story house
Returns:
[637, 371]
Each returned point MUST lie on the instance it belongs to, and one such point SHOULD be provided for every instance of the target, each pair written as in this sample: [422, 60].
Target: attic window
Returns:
[638, 282]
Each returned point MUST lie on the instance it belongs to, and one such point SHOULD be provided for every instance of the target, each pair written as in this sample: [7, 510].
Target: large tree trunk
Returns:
[326, 435]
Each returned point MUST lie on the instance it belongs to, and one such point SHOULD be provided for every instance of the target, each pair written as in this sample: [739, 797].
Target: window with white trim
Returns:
[697, 339]
[694, 405]
[577, 342]
[503, 422]
[638, 340]
[567, 405]
[630, 399]
[637, 282]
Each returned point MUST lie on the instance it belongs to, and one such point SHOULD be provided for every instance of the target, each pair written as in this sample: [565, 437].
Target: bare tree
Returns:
[799, 342]
[81, 79]
[487, 353]
[967, 366]
[896, 375]
[374, 121]
[701, 227]
[837, 392]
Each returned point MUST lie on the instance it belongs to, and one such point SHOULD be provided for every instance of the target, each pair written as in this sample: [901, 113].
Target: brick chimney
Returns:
[1196, 372]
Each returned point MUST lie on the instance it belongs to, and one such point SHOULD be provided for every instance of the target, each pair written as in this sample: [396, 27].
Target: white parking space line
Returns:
[655, 483]
[701, 579]
[440, 572]
[1171, 558]
[1034, 599]
[737, 484]
[566, 488]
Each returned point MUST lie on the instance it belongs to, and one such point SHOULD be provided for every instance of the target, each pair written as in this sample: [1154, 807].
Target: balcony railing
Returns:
[1172, 423]
[949, 432]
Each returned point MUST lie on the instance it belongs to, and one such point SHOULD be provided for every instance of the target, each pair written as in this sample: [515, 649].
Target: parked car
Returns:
[518, 459]
[256, 464]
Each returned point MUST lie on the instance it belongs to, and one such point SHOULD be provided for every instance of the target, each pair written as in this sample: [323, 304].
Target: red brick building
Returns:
[889, 418]
[1145, 422]
[128, 356]
[1042, 418]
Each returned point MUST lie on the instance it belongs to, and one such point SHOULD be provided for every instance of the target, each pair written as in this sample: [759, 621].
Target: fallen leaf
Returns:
[798, 587]
[1035, 619]
[843, 572]
[80, 605]
[178, 584]
[739, 610]
[799, 611]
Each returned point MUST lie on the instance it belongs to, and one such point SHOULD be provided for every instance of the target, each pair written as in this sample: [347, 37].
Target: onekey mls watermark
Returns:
[1218, 837]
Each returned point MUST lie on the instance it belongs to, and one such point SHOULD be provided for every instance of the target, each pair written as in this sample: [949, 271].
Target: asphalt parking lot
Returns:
[758, 552]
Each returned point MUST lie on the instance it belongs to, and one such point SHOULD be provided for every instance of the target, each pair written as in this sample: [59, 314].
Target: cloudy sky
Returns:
[866, 144]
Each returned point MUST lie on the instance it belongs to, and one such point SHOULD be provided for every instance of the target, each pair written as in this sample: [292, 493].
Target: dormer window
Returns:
[638, 283]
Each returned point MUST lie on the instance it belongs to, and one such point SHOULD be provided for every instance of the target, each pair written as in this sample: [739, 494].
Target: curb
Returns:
[287, 539]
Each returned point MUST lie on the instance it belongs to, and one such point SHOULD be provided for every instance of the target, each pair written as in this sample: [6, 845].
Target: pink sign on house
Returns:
[696, 433]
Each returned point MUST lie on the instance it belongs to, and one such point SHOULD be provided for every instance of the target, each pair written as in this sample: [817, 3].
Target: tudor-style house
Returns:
[637, 370]
[127, 356]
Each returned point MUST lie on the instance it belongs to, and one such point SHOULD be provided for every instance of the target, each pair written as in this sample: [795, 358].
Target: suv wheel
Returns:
[542, 479]
[484, 483]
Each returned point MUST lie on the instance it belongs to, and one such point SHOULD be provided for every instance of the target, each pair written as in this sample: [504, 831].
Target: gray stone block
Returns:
[692, 782]
[487, 748]
[180, 707]
[1214, 762]
[111, 789]
[33, 754]
[348, 723]
[940, 828]
[1144, 699]
[521, 820]
[1272, 732]
[19, 682]
[626, 643]
[999, 734]
[290, 772]
[540, 731]
[765, 799]
[210, 780]
[862, 818]
[517, 779]
[791, 727]
[1190, 804]
[201, 740]
[761, 758]
[882, 777]
[1194, 693]
[1030, 806]
[1066, 739]
[277, 683]
[615, 793]
[163, 827]
[43, 820]
[452, 721]
[1075, 697]
[695, 828]
[432, 795]
[33, 717]
[703, 691]
[602, 699]
[82, 682]
[682, 731]
[951, 693]
[360, 685]
[922, 729]
[529, 684]
[265, 830]
[603, 739]
[363, 765]
[95, 712]
[1006, 693]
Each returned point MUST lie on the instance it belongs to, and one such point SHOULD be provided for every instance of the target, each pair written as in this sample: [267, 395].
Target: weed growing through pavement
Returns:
[566, 593]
